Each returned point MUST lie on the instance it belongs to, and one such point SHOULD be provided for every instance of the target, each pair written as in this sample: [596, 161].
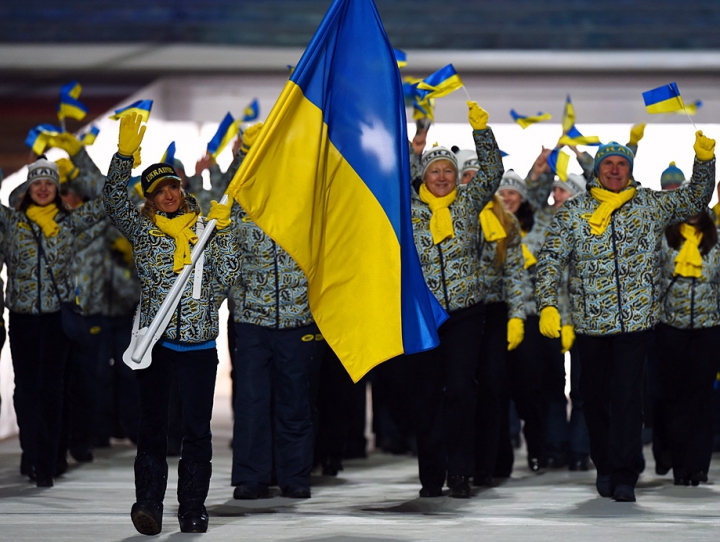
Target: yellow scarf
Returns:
[528, 257]
[179, 228]
[491, 226]
[609, 202]
[688, 262]
[44, 217]
[441, 226]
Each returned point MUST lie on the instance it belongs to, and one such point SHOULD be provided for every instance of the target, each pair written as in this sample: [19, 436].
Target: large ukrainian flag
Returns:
[328, 179]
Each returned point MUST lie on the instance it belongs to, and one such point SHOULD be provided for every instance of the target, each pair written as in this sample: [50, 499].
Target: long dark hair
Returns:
[27, 201]
[525, 216]
[707, 227]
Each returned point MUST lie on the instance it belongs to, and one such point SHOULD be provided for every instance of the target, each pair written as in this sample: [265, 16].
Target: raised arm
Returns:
[483, 186]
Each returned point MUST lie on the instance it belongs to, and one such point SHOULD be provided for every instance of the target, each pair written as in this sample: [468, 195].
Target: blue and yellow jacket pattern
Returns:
[194, 320]
[452, 267]
[615, 276]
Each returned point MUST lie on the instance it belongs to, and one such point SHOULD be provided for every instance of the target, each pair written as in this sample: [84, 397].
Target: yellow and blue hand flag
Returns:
[573, 137]
[141, 107]
[558, 162]
[227, 130]
[88, 138]
[439, 84]
[339, 132]
[525, 121]
[252, 111]
[568, 120]
[37, 138]
[168, 156]
[664, 99]
[400, 58]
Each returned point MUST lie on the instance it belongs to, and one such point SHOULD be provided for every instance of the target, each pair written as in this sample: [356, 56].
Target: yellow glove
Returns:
[66, 170]
[67, 142]
[221, 213]
[123, 246]
[249, 136]
[477, 116]
[550, 322]
[567, 337]
[636, 133]
[515, 332]
[704, 147]
[131, 134]
[136, 158]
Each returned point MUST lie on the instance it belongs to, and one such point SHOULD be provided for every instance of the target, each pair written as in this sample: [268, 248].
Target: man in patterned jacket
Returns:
[610, 238]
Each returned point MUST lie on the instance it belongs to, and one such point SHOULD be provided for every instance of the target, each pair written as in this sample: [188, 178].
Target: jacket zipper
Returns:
[277, 287]
[692, 304]
[617, 274]
[442, 275]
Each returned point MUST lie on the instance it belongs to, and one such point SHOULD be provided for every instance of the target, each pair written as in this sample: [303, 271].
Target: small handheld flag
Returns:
[573, 137]
[72, 89]
[227, 130]
[558, 162]
[400, 58]
[439, 84]
[568, 121]
[88, 138]
[691, 108]
[38, 136]
[252, 111]
[524, 121]
[664, 99]
[141, 107]
[70, 107]
[169, 156]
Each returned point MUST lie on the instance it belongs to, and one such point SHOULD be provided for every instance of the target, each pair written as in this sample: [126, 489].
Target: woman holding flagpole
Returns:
[446, 227]
[162, 234]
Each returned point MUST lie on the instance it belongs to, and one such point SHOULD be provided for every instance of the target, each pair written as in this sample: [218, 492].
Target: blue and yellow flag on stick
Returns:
[338, 132]
[400, 58]
[424, 109]
[141, 107]
[225, 133]
[524, 121]
[439, 84]
[664, 99]
[168, 156]
[88, 138]
[558, 162]
[72, 89]
[70, 106]
[37, 138]
[568, 120]
[252, 111]
[573, 137]
[691, 108]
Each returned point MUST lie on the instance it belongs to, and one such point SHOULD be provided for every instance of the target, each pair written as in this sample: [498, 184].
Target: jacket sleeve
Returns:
[85, 218]
[483, 186]
[225, 252]
[121, 211]
[513, 277]
[90, 180]
[539, 191]
[553, 259]
[677, 205]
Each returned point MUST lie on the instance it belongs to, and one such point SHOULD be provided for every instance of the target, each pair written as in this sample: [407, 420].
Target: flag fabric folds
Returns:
[168, 156]
[439, 84]
[691, 108]
[400, 58]
[70, 107]
[568, 120]
[88, 138]
[328, 179]
[525, 121]
[37, 138]
[573, 137]
[141, 107]
[227, 130]
[664, 99]
[252, 111]
[558, 162]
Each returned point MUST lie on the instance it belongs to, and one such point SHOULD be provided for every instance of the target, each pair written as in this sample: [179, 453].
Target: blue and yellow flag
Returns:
[338, 131]
[424, 109]
[227, 130]
[400, 58]
[70, 105]
[168, 156]
[524, 121]
[72, 89]
[252, 111]
[88, 138]
[568, 120]
[37, 138]
[691, 108]
[439, 84]
[573, 137]
[558, 162]
[664, 99]
[141, 107]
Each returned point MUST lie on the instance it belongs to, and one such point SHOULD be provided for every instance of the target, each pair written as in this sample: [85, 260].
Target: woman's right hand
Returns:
[131, 134]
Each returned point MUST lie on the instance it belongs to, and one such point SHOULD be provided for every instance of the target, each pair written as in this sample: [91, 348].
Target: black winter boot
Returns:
[193, 486]
[150, 484]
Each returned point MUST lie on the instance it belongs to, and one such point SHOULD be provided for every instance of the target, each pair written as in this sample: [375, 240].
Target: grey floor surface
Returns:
[372, 500]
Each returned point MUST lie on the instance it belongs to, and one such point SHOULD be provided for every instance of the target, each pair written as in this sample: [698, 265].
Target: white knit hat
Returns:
[42, 168]
[512, 181]
[435, 154]
[574, 185]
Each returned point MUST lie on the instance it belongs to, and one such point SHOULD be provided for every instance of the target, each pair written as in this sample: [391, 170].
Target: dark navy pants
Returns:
[273, 418]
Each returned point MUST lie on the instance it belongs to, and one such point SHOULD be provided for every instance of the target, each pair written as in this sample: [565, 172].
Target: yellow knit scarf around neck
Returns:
[180, 229]
[441, 226]
[609, 202]
[491, 226]
[44, 217]
[688, 262]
